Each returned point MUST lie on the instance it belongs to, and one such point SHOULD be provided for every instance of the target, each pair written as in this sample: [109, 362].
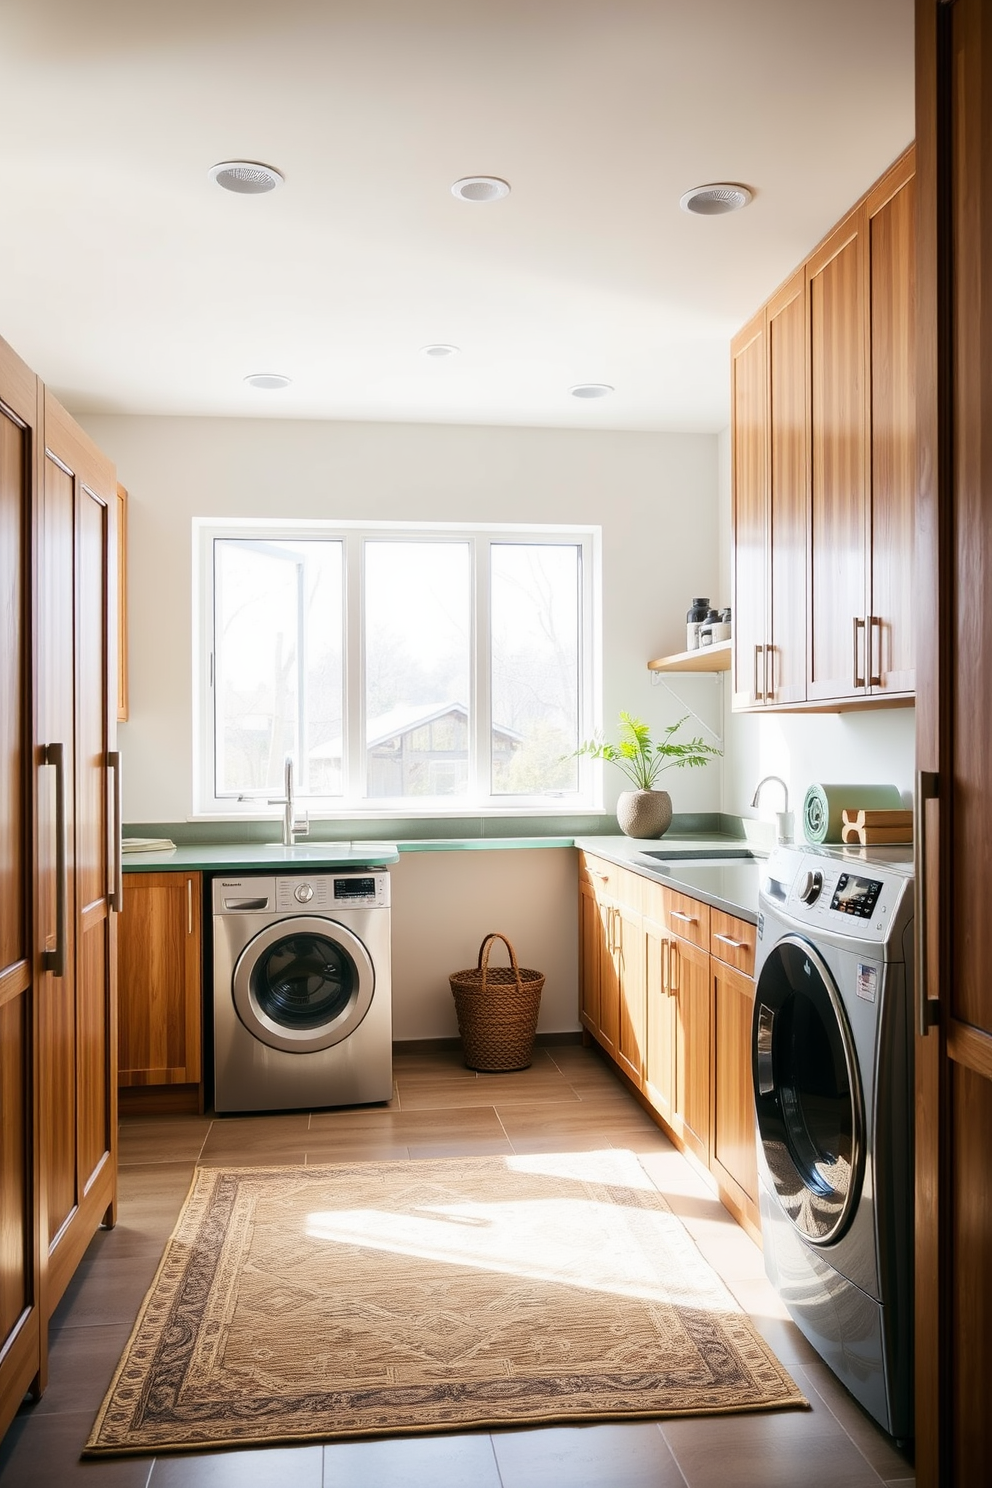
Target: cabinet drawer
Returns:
[732, 941]
[687, 918]
[604, 877]
[609, 881]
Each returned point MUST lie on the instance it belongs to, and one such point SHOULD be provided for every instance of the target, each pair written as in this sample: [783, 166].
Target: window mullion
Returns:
[353, 723]
[480, 762]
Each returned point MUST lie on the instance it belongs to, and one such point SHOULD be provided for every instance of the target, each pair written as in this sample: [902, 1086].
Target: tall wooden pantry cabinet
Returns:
[59, 863]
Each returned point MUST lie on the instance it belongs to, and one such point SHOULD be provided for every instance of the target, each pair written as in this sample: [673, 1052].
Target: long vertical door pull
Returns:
[116, 895]
[54, 960]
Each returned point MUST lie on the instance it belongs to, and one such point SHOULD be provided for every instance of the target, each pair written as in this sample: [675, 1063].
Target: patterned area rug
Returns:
[301, 1304]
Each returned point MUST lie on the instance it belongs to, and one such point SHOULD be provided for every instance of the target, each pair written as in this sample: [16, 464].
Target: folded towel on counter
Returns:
[824, 807]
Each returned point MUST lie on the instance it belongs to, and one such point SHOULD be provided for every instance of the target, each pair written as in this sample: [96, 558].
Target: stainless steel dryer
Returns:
[832, 1050]
[302, 996]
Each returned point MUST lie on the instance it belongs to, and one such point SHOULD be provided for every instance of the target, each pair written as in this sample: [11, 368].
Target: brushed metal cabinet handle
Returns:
[759, 695]
[116, 895]
[54, 960]
[738, 945]
[927, 1008]
[678, 915]
[859, 624]
[874, 671]
[674, 954]
[189, 906]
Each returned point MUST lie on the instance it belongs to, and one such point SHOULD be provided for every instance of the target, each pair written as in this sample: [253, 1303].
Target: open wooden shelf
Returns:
[715, 658]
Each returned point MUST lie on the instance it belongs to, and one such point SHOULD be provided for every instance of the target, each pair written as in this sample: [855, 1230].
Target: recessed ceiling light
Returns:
[439, 351]
[591, 390]
[715, 200]
[268, 380]
[246, 177]
[480, 189]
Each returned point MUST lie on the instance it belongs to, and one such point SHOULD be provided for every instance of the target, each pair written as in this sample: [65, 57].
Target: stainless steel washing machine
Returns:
[302, 1014]
[832, 1059]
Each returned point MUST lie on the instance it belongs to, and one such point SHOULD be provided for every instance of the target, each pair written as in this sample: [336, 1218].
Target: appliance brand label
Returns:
[867, 982]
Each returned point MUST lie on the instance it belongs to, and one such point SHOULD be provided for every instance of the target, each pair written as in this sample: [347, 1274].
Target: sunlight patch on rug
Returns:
[318, 1303]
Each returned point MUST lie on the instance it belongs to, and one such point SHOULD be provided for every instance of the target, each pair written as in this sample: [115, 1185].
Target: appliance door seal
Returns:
[303, 983]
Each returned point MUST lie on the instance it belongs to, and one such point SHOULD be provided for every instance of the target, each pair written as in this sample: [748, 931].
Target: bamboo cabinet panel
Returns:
[22, 1335]
[159, 980]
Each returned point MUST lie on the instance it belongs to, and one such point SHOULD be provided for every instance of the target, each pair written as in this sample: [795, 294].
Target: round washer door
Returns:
[807, 1091]
[303, 984]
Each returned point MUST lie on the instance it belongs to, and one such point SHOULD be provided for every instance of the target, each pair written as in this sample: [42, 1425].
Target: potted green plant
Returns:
[645, 811]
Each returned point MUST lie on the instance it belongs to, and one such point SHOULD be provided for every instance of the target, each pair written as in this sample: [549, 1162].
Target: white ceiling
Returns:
[134, 285]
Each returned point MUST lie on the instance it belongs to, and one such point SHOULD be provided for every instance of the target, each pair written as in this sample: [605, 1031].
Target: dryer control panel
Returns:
[825, 890]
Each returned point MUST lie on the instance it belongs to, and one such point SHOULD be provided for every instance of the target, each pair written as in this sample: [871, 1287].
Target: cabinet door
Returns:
[122, 684]
[733, 1159]
[21, 1334]
[590, 956]
[659, 1062]
[631, 968]
[690, 985]
[838, 664]
[785, 657]
[749, 401]
[77, 709]
[892, 241]
[158, 980]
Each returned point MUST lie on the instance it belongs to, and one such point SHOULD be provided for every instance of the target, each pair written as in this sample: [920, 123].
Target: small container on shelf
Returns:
[694, 618]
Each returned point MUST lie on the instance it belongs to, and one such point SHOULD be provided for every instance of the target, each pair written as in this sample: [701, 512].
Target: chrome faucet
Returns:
[771, 779]
[783, 818]
[290, 825]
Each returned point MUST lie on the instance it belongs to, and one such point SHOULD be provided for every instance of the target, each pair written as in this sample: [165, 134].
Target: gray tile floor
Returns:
[568, 1100]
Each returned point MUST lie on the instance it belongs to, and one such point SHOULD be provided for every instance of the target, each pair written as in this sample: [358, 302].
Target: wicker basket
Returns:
[497, 1009]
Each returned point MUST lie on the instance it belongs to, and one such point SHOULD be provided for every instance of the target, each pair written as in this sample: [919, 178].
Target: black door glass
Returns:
[304, 981]
[808, 1111]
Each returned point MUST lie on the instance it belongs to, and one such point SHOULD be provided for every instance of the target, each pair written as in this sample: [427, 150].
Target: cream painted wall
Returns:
[655, 496]
[868, 746]
[444, 903]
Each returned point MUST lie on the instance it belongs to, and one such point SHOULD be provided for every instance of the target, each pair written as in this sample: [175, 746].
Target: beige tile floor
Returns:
[568, 1100]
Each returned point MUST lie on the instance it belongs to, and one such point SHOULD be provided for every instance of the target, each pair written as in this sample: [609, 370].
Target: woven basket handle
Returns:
[484, 950]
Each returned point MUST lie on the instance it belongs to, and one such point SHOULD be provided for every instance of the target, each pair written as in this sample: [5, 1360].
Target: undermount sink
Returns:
[697, 855]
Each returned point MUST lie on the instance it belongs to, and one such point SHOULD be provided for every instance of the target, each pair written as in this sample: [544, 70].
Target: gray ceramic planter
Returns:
[644, 813]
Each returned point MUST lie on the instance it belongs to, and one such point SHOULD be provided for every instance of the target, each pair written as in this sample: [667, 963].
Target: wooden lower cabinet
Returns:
[159, 984]
[734, 1158]
[690, 981]
[667, 991]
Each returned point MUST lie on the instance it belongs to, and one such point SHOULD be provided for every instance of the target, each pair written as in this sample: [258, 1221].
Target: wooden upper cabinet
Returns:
[891, 216]
[785, 672]
[838, 507]
[749, 395]
[822, 404]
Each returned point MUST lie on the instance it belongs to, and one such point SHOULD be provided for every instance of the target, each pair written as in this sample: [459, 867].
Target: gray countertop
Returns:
[731, 886]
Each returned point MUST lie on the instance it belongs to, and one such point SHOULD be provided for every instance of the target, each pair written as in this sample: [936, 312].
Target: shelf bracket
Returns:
[657, 680]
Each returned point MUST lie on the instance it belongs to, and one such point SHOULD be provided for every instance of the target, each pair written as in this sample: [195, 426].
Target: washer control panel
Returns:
[315, 893]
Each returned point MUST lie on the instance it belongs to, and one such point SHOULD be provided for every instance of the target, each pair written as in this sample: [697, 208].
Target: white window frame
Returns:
[478, 801]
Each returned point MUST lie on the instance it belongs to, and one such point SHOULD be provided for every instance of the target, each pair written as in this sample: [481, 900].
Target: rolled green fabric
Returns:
[824, 806]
